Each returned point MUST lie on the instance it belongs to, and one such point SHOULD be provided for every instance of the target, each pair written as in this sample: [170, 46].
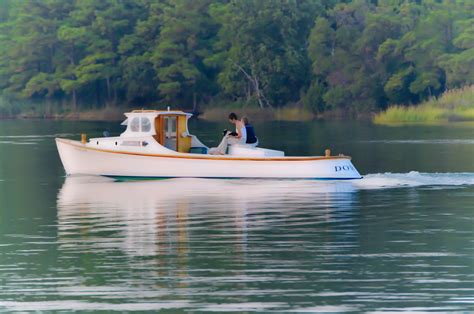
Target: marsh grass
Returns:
[293, 113]
[454, 105]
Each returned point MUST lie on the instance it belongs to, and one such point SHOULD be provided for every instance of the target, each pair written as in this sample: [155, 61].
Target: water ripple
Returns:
[223, 245]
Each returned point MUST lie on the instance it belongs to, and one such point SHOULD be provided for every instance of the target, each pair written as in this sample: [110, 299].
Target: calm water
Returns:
[399, 241]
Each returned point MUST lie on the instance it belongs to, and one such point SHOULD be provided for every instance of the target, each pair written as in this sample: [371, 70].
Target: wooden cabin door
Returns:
[159, 130]
[166, 127]
[171, 132]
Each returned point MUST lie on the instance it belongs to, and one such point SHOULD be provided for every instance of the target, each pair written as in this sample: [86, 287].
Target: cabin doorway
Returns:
[171, 132]
[166, 130]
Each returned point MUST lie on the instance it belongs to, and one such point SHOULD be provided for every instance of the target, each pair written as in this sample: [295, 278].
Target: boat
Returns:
[157, 144]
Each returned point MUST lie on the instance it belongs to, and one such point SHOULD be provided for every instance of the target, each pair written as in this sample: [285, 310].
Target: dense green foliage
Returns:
[324, 54]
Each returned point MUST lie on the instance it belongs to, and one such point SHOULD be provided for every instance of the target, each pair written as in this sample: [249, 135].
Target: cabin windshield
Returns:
[135, 124]
[139, 124]
[145, 124]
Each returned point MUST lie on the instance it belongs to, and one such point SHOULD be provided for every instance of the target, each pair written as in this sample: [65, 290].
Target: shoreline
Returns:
[452, 107]
[256, 116]
[207, 114]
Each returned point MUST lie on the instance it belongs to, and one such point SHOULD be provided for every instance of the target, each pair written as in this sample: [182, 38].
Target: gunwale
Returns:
[201, 157]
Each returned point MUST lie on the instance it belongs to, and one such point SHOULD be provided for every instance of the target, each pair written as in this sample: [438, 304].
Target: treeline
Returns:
[322, 54]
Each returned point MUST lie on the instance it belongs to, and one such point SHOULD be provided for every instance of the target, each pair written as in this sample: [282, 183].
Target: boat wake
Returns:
[258, 188]
[414, 179]
[453, 141]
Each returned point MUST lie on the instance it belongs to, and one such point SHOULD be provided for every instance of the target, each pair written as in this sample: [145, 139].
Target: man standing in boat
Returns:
[237, 137]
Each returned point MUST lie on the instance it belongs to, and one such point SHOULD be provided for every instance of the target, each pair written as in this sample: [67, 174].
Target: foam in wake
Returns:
[414, 179]
[256, 189]
[427, 141]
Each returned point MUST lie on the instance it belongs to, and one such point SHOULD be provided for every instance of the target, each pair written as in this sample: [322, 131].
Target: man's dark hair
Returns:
[233, 116]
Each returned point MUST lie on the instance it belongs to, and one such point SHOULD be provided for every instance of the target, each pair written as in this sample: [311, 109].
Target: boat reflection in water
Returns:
[151, 217]
[205, 241]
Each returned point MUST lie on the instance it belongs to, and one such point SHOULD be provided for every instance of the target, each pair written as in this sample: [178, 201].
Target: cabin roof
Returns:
[160, 111]
[155, 113]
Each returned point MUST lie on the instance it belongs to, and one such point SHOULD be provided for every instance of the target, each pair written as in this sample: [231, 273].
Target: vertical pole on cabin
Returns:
[177, 134]
[162, 130]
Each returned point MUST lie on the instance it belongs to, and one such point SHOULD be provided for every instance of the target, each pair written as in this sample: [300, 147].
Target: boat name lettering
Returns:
[343, 168]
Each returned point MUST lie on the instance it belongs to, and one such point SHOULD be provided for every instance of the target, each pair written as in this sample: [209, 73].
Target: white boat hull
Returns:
[78, 158]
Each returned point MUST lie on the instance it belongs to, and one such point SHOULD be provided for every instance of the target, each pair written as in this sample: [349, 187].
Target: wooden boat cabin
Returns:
[168, 128]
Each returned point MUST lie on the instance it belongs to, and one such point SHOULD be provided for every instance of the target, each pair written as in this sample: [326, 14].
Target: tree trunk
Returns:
[74, 100]
[194, 102]
[97, 88]
[258, 94]
[51, 56]
[262, 100]
[107, 80]
[249, 91]
[74, 93]
[115, 96]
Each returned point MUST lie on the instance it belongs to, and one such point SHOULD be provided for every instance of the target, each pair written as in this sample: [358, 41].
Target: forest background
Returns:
[320, 56]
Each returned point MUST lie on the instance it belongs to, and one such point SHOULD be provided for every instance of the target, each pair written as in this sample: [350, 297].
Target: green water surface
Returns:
[401, 239]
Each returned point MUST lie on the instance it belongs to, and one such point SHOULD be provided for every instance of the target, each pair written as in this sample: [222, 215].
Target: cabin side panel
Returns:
[159, 130]
[184, 142]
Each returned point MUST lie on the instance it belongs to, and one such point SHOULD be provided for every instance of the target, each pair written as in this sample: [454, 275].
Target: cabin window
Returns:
[169, 139]
[170, 126]
[146, 125]
[135, 125]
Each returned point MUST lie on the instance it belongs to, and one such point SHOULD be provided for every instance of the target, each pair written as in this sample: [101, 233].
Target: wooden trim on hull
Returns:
[141, 178]
[203, 157]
